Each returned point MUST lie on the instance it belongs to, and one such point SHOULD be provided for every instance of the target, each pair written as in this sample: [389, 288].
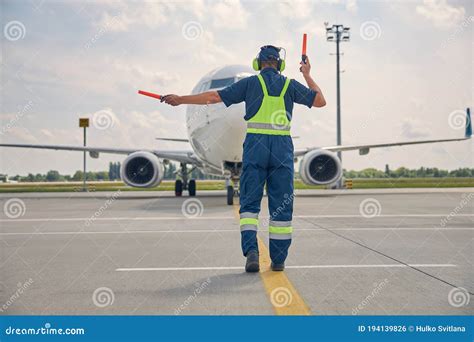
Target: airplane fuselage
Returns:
[217, 132]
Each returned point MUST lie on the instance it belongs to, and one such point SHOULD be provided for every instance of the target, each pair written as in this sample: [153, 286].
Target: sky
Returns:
[406, 74]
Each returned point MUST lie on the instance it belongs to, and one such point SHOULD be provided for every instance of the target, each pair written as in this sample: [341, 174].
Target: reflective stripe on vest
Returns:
[271, 118]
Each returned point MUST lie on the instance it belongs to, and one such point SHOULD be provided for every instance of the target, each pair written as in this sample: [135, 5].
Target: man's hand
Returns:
[172, 99]
[305, 67]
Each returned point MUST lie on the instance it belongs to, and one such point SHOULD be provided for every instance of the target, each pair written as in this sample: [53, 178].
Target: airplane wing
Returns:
[173, 139]
[181, 156]
[365, 149]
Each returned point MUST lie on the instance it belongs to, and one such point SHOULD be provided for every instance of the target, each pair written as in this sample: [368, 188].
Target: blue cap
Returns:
[269, 53]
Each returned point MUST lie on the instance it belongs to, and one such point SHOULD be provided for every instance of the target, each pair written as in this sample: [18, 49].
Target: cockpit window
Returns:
[221, 83]
[243, 75]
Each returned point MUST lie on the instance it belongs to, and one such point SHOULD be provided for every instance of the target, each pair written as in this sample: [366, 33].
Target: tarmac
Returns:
[354, 252]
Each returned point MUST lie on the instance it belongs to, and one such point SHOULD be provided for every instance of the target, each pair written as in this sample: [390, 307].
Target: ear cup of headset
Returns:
[255, 64]
[281, 65]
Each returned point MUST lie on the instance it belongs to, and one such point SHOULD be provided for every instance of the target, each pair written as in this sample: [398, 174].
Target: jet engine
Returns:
[142, 169]
[320, 167]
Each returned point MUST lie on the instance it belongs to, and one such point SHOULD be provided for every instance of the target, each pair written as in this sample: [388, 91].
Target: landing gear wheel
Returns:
[230, 195]
[178, 187]
[192, 187]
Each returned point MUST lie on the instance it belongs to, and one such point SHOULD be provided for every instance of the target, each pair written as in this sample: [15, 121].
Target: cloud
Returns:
[229, 14]
[414, 128]
[295, 9]
[351, 5]
[440, 13]
[115, 23]
[47, 133]
[136, 73]
[150, 14]
[223, 14]
[314, 28]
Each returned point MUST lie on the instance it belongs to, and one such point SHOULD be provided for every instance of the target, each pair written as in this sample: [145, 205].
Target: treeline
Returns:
[403, 172]
[111, 175]
[171, 170]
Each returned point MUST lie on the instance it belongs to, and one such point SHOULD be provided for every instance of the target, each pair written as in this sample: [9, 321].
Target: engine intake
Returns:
[142, 170]
[320, 167]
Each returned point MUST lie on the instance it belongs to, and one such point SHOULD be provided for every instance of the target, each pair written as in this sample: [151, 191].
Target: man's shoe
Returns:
[278, 267]
[252, 264]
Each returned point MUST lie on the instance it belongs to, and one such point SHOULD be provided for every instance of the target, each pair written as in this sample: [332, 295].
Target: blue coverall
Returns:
[267, 159]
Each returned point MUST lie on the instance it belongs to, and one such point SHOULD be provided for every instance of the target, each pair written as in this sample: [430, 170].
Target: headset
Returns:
[257, 64]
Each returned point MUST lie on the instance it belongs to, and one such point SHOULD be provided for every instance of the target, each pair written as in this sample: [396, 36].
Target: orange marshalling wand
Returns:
[146, 93]
[303, 50]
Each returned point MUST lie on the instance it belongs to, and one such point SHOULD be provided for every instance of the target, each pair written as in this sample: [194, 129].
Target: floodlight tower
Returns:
[338, 33]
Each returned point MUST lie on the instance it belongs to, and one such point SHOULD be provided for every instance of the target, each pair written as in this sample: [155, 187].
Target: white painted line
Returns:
[372, 266]
[128, 232]
[320, 230]
[225, 268]
[390, 228]
[171, 218]
[385, 215]
[152, 218]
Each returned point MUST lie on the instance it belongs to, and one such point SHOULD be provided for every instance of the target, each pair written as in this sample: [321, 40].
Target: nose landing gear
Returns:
[183, 184]
[232, 187]
[231, 173]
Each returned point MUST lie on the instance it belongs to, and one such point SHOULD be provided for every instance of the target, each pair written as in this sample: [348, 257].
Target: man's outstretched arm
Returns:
[319, 100]
[208, 97]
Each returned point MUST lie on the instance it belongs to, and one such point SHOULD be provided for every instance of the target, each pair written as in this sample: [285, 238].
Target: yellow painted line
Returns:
[283, 296]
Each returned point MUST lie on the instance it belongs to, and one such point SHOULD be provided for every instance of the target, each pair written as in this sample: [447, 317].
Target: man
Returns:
[268, 148]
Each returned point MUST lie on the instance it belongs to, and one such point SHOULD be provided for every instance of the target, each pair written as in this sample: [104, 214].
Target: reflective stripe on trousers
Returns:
[280, 230]
[248, 221]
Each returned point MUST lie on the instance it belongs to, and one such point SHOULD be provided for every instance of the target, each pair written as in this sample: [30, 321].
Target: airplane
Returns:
[216, 134]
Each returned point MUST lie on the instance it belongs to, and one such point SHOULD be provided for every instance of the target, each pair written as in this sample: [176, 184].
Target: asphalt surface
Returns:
[354, 252]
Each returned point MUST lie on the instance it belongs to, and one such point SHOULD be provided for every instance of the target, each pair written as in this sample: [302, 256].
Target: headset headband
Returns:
[281, 61]
[278, 49]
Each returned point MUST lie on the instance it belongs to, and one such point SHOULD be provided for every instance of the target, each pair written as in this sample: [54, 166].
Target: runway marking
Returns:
[283, 296]
[231, 268]
[171, 218]
[152, 218]
[381, 215]
[316, 230]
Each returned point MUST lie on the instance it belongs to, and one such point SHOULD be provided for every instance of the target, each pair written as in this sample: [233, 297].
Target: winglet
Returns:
[468, 133]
